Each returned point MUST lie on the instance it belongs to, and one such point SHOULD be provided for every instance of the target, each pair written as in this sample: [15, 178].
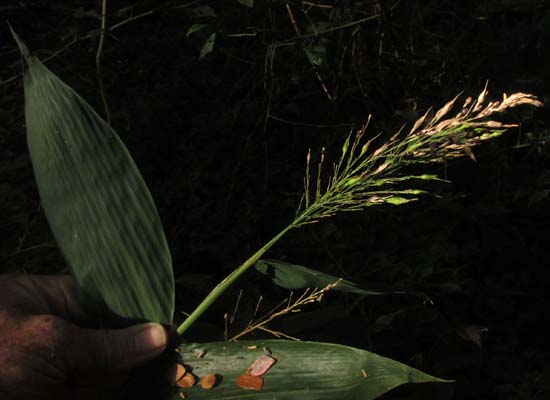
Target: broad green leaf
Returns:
[292, 276]
[208, 45]
[98, 206]
[303, 371]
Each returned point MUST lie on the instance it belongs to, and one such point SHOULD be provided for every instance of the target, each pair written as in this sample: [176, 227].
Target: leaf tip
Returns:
[22, 46]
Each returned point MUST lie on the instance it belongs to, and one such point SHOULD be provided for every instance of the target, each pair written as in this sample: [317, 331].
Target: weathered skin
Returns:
[45, 354]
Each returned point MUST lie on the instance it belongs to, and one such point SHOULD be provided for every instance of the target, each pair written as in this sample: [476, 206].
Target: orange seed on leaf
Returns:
[208, 381]
[175, 373]
[187, 381]
[252, 382]
[180, 371]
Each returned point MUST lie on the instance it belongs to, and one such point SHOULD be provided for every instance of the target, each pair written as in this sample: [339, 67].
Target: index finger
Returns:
[42, 294]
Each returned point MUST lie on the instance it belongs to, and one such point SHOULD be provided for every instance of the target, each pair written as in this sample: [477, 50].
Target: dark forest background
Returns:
[219, 102]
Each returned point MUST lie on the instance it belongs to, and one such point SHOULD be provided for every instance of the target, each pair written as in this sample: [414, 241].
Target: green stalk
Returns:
[223, 285]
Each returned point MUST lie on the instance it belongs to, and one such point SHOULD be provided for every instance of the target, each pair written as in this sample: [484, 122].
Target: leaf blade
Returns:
[292, 276]
[208, 46]
[304, 370]
[97, 203]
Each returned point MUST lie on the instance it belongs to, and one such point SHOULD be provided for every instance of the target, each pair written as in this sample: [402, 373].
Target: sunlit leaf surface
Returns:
[303, 371]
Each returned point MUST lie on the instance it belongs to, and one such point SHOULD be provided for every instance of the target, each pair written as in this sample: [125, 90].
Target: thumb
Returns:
[100, 351]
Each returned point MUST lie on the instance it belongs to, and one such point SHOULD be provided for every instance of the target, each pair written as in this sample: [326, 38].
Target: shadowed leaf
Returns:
[292, 276]
[98, 206]
[208, 46]
[195, 28]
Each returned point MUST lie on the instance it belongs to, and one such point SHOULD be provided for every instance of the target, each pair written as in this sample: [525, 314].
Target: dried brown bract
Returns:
[251, 382]
[441, 139]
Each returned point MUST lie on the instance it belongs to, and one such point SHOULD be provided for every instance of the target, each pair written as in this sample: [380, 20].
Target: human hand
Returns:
[45, 355]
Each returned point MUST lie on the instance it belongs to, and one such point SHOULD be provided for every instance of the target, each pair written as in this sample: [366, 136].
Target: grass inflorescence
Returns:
[364, 177]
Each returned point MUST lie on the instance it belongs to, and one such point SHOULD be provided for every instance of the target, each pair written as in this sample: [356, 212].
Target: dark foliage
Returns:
[222, 139]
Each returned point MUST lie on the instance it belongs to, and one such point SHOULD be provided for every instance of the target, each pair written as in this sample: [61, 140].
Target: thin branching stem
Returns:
[98, 61]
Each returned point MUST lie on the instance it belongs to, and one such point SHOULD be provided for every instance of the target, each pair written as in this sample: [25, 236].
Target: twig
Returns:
[98, 61]
[316, 5]
[299, 123]
[337, 28]
[315, 69]
[258, 306]
[278, 334]
[236, 307]
[92, 35]
[225, 327]
[131, 19]
[287, 306]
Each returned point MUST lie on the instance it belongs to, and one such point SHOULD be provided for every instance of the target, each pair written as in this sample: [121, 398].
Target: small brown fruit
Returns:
[180, 371]
[187, 381]
[208, 381]
[251, 382]
[175, 373]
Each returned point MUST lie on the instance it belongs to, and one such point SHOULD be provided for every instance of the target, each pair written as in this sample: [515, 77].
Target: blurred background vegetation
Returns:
[219, 102]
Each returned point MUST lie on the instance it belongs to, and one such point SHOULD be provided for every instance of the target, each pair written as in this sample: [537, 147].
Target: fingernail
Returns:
[151, 339]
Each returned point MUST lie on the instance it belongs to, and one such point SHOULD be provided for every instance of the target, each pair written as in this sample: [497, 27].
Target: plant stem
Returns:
[223, 285]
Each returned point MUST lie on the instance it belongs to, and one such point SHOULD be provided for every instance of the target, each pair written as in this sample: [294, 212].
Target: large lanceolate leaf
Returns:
[303, 371]
[98, 206]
